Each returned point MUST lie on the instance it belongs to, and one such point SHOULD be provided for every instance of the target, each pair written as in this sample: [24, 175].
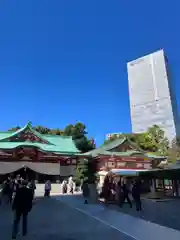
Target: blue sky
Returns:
[63, 61]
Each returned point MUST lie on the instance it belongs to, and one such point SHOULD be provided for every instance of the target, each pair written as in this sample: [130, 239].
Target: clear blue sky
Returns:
[63, 61]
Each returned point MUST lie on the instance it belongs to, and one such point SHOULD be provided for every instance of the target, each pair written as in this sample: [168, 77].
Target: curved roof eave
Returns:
[27, 126]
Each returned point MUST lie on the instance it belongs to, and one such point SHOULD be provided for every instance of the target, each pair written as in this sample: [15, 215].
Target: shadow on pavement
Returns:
[165, 213]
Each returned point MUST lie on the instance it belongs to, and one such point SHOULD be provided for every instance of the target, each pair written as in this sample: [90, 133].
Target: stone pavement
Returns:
[165, 213]
[135, 228]
[52, 220]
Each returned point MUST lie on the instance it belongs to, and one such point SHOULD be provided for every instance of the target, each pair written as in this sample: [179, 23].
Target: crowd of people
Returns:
[10, 186]
[68, 186]
[19, 193]
[120, 191]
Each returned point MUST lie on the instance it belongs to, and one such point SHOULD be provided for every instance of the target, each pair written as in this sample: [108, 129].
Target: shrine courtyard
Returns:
[53, 220]
[67, 218]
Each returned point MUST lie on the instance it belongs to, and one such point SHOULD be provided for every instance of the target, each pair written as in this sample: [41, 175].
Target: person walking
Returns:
[125, 195]
[22, 205]
[136, 194]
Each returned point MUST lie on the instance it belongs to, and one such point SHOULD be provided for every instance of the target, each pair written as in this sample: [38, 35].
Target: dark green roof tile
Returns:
[58, 144]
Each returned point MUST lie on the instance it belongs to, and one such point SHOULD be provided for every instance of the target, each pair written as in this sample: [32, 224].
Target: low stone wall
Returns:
[56, 188]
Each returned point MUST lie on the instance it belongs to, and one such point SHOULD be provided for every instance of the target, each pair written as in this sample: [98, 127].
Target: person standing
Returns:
[85, 190]
[71, 185]
[47, 189]
[22, 205]
[64, 187]
[5, 193]
[15, 186]
[32, 186]
[136, 194]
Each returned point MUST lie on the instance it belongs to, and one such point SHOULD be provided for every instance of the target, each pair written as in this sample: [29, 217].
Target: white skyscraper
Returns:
[152, 100]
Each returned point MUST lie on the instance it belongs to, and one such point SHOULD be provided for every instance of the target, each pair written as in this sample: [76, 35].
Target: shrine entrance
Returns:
[25, 173]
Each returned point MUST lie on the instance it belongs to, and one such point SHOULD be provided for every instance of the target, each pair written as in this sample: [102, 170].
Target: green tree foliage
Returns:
[174, 151]
[153, 140]
[159, 142]
[42, 130]
[86, 170]
[68, 131]
[14, 129]
[81, 172]
[78, 133]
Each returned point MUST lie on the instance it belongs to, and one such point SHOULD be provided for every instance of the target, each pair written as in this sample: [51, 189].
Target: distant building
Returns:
[111, 135]
[152, 100]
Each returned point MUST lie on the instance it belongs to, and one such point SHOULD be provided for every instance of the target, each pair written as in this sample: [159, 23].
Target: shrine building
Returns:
[54, 157]
[37, 156]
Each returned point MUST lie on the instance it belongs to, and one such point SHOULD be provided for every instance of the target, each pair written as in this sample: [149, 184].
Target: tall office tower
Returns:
[152, 99]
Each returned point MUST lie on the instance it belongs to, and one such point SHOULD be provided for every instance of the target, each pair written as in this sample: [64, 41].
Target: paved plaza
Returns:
[53, 220]
[165, 213]
[67, 218]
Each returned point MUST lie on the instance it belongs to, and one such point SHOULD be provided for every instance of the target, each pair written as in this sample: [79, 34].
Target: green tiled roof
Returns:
[5, 135]
[105, 150]
[113, 144]
[58, 144]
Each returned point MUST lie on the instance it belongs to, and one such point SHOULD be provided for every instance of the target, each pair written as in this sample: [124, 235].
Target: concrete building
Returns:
[152, 100]
[111, 135]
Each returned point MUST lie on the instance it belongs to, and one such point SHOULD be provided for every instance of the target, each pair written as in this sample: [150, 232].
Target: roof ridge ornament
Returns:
[29, 124]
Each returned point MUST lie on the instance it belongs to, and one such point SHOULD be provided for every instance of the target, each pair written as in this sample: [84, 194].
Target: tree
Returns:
[56, 131]
[68, 131]
[78, 133]
[153, 140]
[157, 137]
[42, 130]
[86, 170]
[174, 151]
[79, 130]
[14, 129]
[81, 172]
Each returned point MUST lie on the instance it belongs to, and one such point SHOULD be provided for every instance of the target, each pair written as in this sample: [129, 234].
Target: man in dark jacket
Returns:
[22, 205]
[136, 194]
[85, 190]
[125, 195]
[32, 186]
